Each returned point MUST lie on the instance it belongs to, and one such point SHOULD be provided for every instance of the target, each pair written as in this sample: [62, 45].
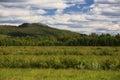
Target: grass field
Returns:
[61, 74]
[59, 63]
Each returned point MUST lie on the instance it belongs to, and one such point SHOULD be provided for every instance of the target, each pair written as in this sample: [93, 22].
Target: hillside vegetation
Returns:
[37, 34]
[34, 30]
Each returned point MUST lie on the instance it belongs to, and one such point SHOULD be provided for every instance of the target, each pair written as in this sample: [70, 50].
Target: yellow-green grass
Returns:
[59, 63]
[60, 57]
[59, 50]
[61, 74]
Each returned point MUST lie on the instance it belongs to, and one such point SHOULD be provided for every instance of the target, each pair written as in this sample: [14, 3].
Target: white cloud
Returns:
[49, 4]
[59, 11]
[106, 12]
[115, 27]
[100, 18]
[38, 12]
[13, 12]
[107, 1]
[75, 1]
[112, 9]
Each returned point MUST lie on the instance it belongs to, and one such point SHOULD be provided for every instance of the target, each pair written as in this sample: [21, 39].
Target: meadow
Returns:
[61, 74]
[59, 63]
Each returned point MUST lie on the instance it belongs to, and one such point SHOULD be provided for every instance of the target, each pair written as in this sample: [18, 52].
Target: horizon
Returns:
[82, 16]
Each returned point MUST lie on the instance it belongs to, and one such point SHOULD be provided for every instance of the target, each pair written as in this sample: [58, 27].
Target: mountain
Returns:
[35, 30]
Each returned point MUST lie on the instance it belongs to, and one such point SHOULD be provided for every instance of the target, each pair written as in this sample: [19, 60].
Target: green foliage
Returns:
[42, 35]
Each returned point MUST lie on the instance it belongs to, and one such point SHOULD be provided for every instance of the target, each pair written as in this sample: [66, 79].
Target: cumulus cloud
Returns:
[107, 1]
[59, 4]
[6, 12]
[75, 1]
[101, 16]
[108, 9]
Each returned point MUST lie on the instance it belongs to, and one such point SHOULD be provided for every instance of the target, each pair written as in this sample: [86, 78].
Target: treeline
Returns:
[82, 40]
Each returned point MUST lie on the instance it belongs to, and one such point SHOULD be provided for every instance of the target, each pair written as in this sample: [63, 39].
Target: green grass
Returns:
[61, 74]
[59, 63]
[59, 50]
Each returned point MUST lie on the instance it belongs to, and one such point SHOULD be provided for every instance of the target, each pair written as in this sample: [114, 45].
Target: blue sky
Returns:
[83, 16]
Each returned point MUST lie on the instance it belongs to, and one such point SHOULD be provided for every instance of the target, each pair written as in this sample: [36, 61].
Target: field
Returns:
[61, 74]
[59, 63]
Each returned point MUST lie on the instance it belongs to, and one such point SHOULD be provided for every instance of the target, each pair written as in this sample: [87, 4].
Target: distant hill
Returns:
[35, 30]
[37, 34]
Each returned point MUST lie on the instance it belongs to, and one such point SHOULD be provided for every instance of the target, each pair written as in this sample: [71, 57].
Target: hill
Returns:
[37, 34]
[36, 30]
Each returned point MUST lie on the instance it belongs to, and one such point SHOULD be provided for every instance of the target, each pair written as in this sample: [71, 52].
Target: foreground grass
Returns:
[59, 63]
[61, 74]
[60, 57]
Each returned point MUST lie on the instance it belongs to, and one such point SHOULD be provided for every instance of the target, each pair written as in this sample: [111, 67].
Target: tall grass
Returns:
[60, 62]
[60, 57]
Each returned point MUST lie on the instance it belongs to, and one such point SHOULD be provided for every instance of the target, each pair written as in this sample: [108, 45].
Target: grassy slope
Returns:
[36, 29]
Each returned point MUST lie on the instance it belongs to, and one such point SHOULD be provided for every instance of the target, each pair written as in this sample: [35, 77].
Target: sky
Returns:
[83, 16]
